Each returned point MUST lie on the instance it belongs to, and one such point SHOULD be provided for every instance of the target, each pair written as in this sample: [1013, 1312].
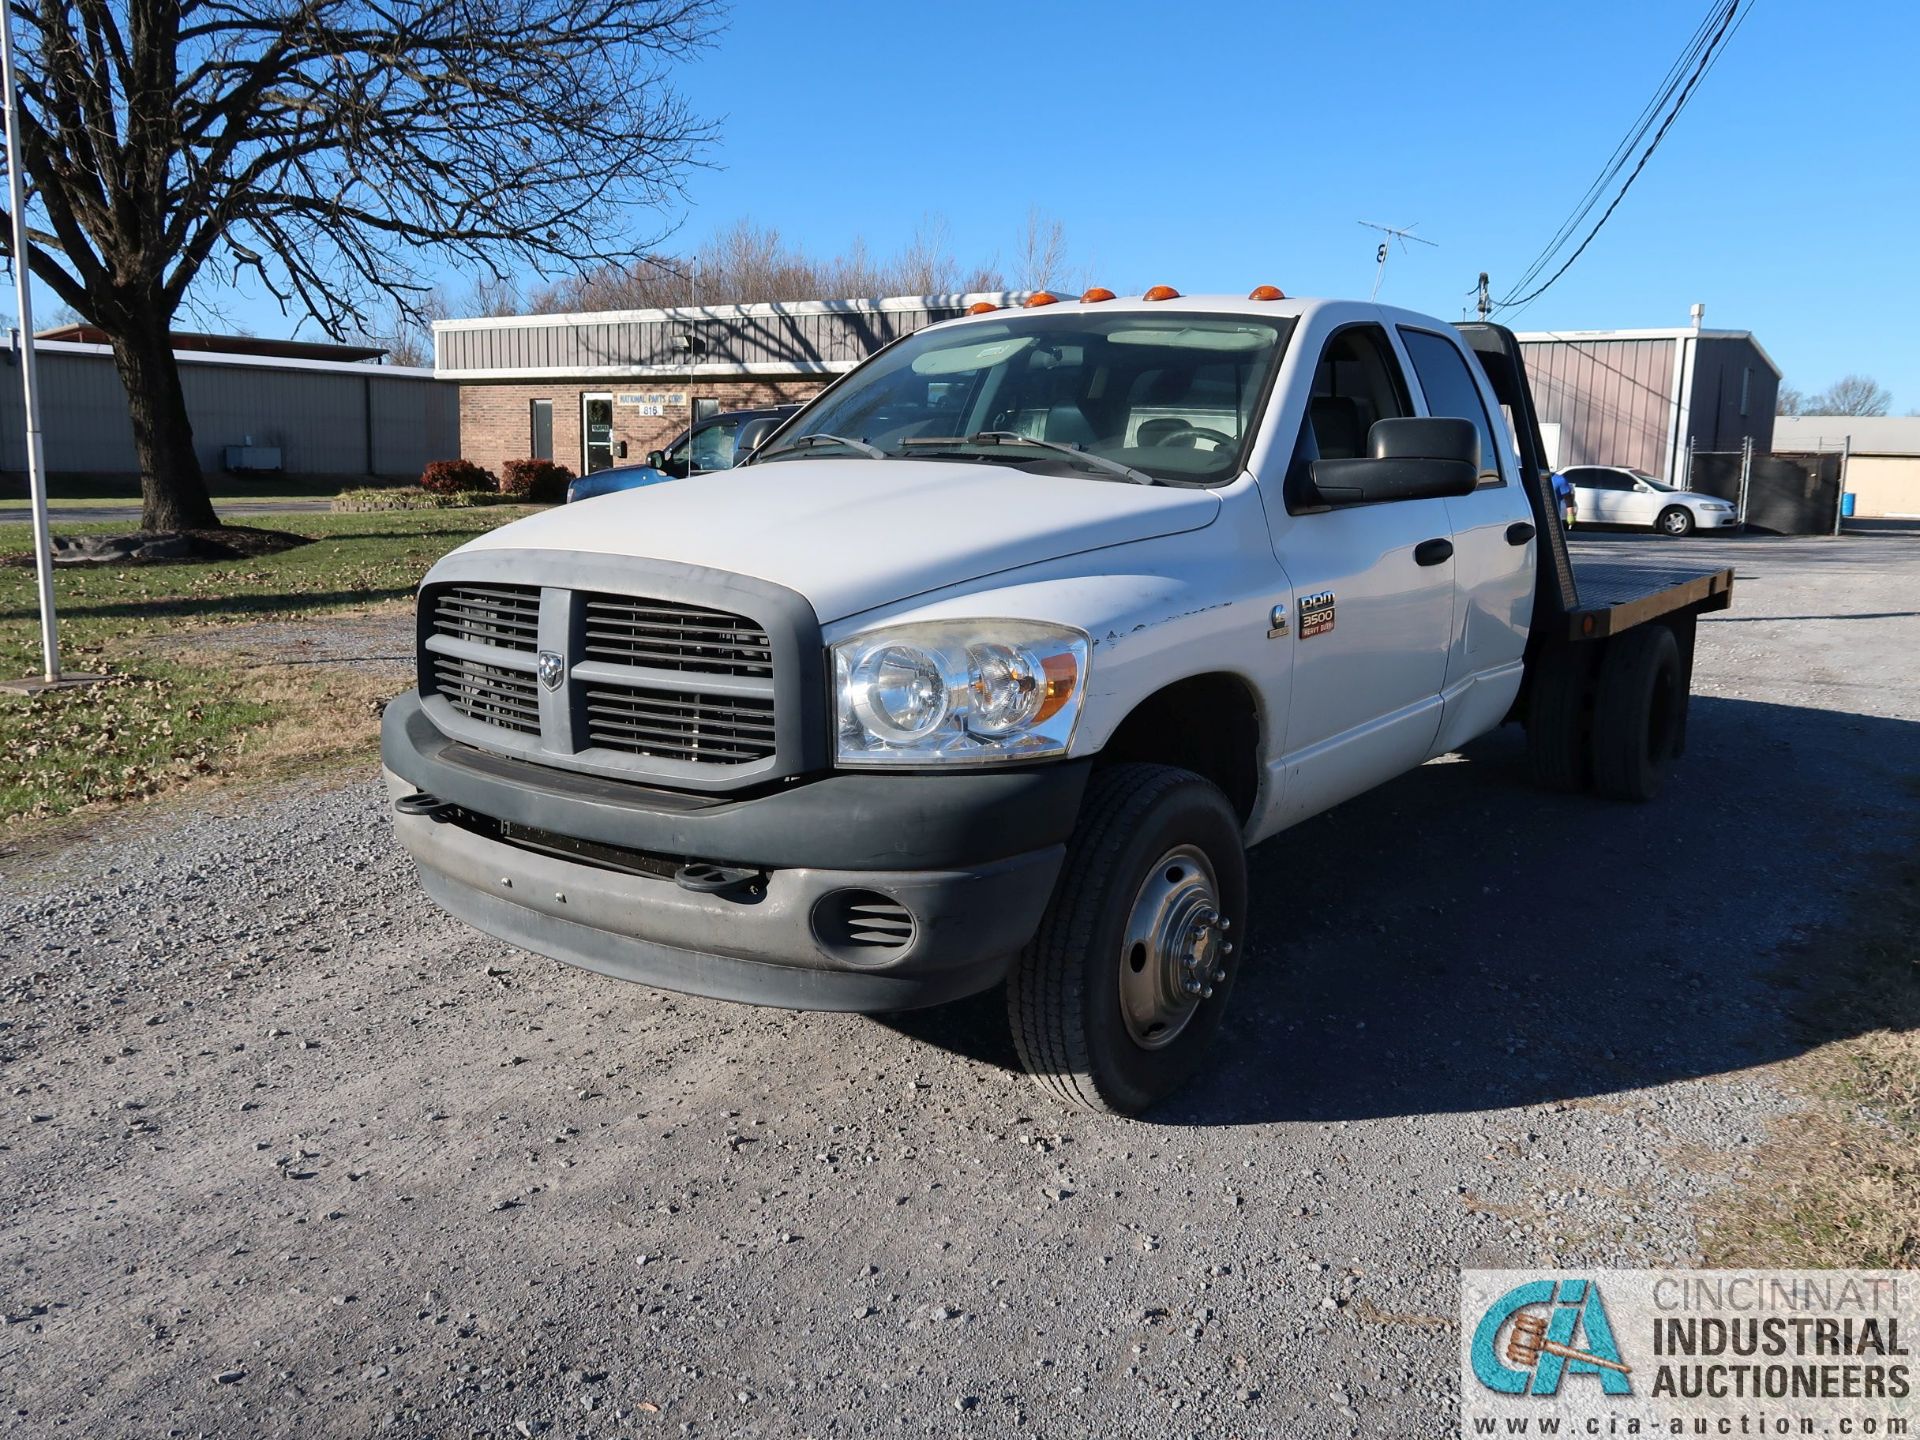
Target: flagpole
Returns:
[29, 375]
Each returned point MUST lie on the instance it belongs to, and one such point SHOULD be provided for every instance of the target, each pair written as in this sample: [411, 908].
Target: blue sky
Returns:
[1223, 143]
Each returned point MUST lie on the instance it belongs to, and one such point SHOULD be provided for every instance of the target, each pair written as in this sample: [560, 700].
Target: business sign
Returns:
[1694, 1352]
[652, 402]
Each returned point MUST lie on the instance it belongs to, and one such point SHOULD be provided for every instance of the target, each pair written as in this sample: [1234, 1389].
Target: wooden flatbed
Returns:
[1612, 594]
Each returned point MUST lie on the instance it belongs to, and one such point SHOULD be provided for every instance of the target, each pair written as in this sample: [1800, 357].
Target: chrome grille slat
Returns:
[660, 635]
[679, 726]
[506, 616]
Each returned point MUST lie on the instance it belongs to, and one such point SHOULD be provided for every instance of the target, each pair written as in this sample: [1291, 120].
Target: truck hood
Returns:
[853, 534]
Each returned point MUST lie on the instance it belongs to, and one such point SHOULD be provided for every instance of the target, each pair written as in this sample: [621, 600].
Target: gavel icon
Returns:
[1528, 1342]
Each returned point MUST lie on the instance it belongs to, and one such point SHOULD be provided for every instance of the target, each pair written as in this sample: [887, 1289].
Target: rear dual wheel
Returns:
[1119, 997]
[1608, 715]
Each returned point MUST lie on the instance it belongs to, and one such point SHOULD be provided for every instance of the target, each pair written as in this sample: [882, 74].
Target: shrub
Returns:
[375, 499]
[451, 477]
[540, 481]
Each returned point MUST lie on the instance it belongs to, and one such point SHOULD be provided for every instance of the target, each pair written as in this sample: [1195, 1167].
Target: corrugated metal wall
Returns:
[761, 341]
[1612, 399]
[1734, 390]
[356, 420]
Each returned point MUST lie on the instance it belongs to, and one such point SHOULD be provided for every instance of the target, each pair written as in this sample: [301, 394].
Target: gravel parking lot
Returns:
[288, 1153]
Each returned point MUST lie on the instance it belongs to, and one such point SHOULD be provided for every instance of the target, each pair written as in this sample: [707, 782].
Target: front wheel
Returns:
[1120, 995]
[1675, 520]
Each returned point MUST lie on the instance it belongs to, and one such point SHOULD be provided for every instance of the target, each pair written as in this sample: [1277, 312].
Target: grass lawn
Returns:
[172, 712]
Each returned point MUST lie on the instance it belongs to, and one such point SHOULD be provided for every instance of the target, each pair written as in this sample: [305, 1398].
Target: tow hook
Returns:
[430, 806]
[705, 879]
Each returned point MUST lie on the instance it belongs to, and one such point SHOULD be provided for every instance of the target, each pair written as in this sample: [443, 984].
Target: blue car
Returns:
[713, 444]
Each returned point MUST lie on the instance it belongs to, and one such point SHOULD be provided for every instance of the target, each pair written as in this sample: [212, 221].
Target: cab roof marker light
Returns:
[1266, 292]
[1041, 297]
[1096, 295]
[1161, 292]
[982, 307]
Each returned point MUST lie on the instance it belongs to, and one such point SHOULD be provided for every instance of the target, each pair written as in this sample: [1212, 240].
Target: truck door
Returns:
[1372, 619]
[1493, 547]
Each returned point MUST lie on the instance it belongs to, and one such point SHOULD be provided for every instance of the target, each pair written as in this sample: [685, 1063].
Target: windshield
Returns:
[1173, 397]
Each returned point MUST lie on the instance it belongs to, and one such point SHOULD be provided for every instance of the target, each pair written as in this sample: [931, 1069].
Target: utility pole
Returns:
[1402, 233]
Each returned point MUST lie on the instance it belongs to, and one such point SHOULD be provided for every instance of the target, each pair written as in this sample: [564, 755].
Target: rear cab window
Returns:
[1450, 391]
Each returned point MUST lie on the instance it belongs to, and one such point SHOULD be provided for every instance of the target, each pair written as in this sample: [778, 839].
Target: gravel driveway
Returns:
[288, 1153]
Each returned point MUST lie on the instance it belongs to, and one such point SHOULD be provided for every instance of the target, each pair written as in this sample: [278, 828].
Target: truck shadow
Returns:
[1459, 941]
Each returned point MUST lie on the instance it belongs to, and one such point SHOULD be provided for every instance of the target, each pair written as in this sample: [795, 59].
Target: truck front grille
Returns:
[670, 690]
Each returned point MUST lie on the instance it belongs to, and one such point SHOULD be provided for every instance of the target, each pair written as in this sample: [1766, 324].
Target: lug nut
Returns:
[1191, 986]
[1220, 977]
[1226, 947]
[1206, 992]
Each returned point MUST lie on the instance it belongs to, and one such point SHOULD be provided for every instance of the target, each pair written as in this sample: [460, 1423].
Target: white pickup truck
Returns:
[991, 662]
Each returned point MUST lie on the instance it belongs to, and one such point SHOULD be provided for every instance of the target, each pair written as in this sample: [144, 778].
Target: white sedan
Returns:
[1618, 495]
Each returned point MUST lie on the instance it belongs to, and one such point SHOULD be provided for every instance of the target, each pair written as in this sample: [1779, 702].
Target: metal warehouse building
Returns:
[590, 390]
[325, 417]
[1650, 398]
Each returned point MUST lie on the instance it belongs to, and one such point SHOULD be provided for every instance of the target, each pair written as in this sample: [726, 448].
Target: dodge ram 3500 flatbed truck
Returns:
[989, 664]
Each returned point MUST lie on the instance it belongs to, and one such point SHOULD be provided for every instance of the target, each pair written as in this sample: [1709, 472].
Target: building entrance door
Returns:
[596, 432]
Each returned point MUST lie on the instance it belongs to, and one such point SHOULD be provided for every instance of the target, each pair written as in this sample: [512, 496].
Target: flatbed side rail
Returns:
[1620, 597]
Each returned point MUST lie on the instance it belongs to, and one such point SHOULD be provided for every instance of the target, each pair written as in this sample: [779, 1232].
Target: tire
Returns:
[1675, 522]
[1067, 1001]
[1559, 754]
[1639, 712]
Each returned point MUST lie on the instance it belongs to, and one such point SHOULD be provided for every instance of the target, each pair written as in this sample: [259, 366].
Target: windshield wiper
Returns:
[1009, 437]
[820, 437]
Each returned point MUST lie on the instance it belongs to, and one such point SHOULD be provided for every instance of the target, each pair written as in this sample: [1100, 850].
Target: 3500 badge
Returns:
[1316, 613]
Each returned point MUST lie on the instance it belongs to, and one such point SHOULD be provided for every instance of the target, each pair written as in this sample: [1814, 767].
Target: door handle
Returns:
[1519, 533]
[1432, 552]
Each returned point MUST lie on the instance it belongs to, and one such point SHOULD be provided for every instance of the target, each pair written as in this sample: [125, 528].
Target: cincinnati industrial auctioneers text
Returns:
[1815, 1350]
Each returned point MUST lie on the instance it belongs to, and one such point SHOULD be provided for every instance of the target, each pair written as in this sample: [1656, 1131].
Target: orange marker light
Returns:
[982, 307]
[1095, 295]
[1042, 297]
[1161, 292]
[1266, 292]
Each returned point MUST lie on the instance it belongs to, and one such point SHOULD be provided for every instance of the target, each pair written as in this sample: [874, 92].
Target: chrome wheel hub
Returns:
[1173, 951]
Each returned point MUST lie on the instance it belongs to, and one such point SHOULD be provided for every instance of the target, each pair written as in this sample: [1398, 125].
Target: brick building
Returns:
[594, 390]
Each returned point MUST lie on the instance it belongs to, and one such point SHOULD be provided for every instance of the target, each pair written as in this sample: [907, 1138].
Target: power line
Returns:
[1703, 62]
[1624, 150]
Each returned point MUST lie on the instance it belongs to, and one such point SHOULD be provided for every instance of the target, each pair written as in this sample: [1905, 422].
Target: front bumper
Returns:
[972, 858]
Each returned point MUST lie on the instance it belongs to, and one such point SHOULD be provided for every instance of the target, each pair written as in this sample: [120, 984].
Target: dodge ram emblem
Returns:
[552, 669]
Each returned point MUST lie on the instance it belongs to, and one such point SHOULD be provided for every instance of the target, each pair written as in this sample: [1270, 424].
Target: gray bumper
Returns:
[764, 943]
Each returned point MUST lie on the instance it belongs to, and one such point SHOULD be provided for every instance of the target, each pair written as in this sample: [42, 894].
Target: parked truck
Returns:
[992, 662]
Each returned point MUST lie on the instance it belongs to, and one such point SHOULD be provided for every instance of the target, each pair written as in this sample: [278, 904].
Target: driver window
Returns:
[1357, 381]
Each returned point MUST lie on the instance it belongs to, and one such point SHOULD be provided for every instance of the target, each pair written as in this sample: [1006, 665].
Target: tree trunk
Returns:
[173, 492]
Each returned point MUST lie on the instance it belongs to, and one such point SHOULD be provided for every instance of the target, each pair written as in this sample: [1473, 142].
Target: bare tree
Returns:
[1790, 401]
[1852, 395]
[333, 151]
[748, 264]
[1041, 259]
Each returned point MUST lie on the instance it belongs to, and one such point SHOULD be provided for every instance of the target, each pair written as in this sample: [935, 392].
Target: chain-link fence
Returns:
[1774, 494]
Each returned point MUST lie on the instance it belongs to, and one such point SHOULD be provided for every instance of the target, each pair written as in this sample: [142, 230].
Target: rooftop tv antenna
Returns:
[1402, 233]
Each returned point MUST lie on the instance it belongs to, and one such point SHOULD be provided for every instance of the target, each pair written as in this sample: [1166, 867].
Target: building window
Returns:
[542, 430]
[1746, 389]
[705, 408]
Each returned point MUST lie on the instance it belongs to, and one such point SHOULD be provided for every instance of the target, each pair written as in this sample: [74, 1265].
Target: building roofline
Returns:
[733, 312]
[1660, 332]
[255, 362]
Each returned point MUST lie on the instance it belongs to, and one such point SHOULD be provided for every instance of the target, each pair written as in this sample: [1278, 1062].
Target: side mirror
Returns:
[752, 435]
[1641, 487]
[657, 459]
[1417, 458]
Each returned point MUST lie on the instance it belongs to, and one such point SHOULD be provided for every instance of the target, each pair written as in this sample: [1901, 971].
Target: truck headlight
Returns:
[958, 692]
